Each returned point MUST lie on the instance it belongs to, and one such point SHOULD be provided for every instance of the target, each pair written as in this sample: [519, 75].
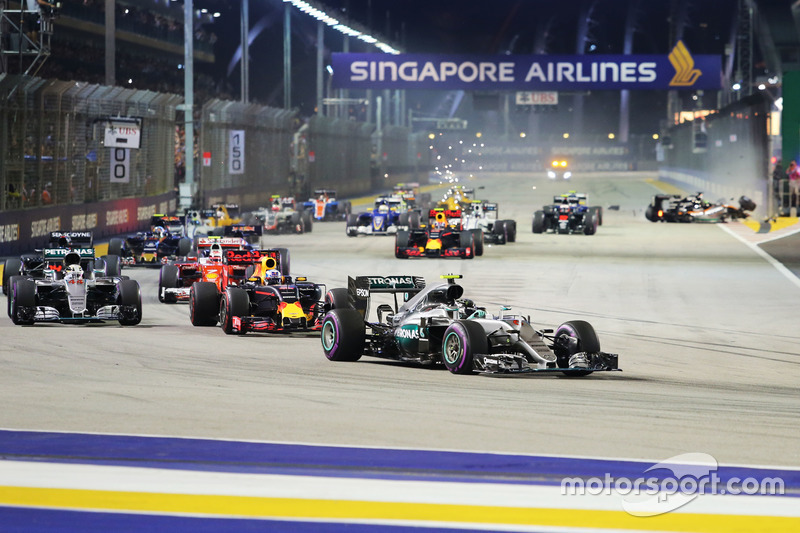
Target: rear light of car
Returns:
[660, 213]
[563, 217]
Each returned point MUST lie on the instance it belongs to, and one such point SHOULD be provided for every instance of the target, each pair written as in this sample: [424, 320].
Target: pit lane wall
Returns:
[23, 230]
[724, 156]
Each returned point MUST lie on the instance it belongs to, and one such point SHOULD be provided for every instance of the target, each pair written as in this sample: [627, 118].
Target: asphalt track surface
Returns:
[704, 325]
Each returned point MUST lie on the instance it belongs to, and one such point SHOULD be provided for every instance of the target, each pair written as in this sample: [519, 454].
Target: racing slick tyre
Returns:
[337, 299]
[130, 297]
[235, 302]
[467, 240]
[350, 225]
[650, 213]
[461, 342]
[477, 235]
[11, 267]
[297, 223]
[599, 210]
[499, 229]
[113, 265]
[402, 220]
[218, 232]
[286, 262]
[590, 223]
[538, 222]
[308, 221]
[573, 337]
[343, 335]
[168, 279]
[115, 247]
[21, 300]
[511, 231]
[204, 304]
[400, 241]
[414, 221]
[184, 247]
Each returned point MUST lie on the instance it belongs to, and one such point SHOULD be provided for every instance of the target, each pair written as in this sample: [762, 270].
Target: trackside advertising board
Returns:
[678, 70]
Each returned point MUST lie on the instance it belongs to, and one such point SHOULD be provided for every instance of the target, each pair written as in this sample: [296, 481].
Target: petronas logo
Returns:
[683, 62]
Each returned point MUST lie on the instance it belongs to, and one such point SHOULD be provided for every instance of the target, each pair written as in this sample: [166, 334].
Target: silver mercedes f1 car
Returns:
[436, 325]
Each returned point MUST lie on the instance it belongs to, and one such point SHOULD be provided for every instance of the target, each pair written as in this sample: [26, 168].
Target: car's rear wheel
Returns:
[285, 262]
[115, 247]
[477, 237]
[130, 302]
[337, 299]
[343, 335]
[461, 342]
[11, 267]
[296, 222]
[650, 213]
[235, 303]
[599, 210]
[184, 246]
[400, 241]
[113, 265]
[511, 231]
[467, 240]
[168, 279]
[414, 221]
[21, 300]
[574, 337]
[538, 222]
[308, 222]
[499, 230]
[204, 304]
[590, 223]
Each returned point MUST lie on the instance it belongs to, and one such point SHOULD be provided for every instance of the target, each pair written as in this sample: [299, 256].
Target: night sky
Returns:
[468, 26]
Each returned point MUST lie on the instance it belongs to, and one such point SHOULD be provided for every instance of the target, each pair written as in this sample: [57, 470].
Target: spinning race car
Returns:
[435, 325]
[676, 208]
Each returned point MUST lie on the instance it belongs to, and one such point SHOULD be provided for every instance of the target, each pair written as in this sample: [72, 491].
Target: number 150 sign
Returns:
[236, 152]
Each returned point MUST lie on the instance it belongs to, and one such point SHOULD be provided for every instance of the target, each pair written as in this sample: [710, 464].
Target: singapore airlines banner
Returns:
[678, 70]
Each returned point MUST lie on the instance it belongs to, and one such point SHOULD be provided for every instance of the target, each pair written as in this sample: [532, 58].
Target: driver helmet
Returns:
[75, 270]
[383, 208]
[159, 231]
[216, 253]
[272, 277]
[439, 225]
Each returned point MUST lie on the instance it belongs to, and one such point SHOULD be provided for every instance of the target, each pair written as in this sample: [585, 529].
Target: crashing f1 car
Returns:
[568, 214]
[435, 325]
[677, 208]
[73, 294]
[441, 237]
[37, 265]
[269, 300]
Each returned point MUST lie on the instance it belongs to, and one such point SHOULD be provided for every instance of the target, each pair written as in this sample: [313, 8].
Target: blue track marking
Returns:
[333, 461]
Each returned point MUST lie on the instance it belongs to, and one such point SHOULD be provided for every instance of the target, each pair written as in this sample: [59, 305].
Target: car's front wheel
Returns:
[204, 304]
[343, 335]
[235, 303]
[574, 337]
[130, 302]
[22, 300]
[461, 342]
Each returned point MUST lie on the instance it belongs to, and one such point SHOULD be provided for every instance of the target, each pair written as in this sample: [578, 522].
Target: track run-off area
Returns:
[166, 425]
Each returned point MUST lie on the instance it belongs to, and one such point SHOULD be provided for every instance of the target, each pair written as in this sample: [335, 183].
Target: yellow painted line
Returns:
[666, 188]
[752, 224]
[784, 222]
[343, 510]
